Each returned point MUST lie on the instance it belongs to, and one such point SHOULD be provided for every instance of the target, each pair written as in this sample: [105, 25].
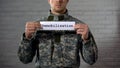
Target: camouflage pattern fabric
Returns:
[61, 53]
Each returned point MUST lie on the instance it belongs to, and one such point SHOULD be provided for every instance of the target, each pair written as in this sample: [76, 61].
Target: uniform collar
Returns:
[53, 17]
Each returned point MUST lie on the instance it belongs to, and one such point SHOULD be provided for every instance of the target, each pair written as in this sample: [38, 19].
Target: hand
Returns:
[31, 28]
[83, 30]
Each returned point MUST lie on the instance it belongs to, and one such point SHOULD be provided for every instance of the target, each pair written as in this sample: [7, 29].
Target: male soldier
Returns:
[58, 51]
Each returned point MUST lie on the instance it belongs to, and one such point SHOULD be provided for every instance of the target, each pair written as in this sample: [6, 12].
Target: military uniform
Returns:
[58, 50]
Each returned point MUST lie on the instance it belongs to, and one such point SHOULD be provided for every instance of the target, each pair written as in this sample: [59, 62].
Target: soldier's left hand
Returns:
[82, 29]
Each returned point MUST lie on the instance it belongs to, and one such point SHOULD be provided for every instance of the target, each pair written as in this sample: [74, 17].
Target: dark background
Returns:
[102, 16]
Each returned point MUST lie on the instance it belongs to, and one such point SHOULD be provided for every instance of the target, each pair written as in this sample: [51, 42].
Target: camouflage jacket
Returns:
[54, 50]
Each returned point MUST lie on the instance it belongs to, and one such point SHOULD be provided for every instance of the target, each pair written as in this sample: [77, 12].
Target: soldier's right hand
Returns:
[30, 29]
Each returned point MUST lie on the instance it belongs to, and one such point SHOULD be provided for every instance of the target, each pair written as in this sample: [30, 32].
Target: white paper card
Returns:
[57, 25]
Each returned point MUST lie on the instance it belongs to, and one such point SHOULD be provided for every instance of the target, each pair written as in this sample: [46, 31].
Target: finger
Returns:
[38, 26]
[31, 23]
[30, 32]
[30, 29]
[78, 26]
[81, 30]
[30, 26]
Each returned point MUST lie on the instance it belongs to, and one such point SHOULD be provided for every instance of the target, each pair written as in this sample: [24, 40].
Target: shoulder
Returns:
[71, 18]
[43, 18]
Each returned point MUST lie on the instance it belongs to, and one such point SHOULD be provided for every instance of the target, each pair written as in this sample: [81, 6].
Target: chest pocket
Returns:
[69, 52]
[45, 49]
[64, 52]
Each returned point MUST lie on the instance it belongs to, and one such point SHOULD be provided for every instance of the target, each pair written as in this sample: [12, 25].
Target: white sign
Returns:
[57, 25]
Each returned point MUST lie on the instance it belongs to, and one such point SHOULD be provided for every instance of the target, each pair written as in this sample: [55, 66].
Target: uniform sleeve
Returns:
[89, 50]
[26, 50]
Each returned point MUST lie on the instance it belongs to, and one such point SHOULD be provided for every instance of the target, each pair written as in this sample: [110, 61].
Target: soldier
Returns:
[58, 51]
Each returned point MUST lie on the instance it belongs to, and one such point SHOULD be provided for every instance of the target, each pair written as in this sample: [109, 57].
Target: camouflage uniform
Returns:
[58, 51]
